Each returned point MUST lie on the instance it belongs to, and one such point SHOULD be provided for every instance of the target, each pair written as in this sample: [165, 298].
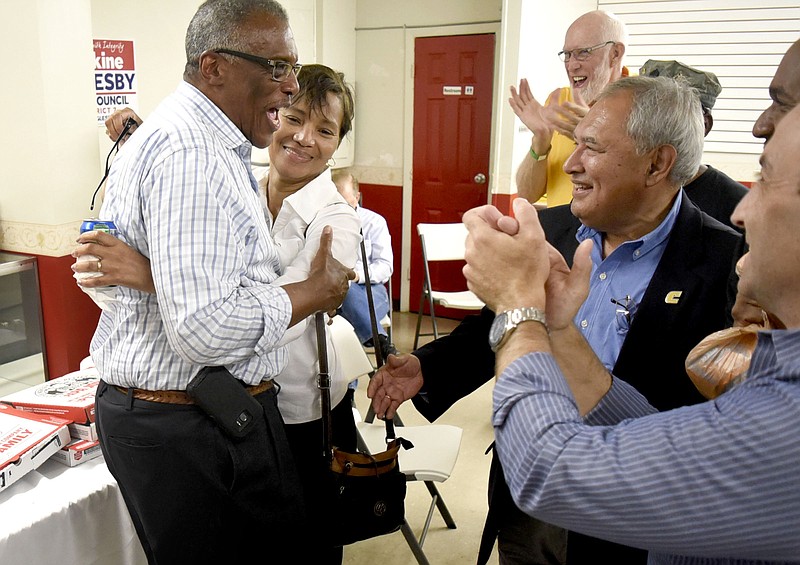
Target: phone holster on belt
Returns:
[223, 397]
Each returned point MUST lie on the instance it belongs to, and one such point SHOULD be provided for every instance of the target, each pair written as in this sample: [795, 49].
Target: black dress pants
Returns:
[521, 539]
[194, 494]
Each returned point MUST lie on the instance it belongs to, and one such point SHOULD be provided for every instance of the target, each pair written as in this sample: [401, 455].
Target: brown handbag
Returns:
[367, 491]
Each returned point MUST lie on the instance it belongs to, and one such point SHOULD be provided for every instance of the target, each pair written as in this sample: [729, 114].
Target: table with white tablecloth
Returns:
[67, 516]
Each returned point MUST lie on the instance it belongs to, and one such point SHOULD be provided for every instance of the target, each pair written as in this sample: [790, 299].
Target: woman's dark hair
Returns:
[316, 81]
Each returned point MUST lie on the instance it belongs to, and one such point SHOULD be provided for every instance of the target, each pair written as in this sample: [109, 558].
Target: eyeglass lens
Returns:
[581, 54]
[280, 69]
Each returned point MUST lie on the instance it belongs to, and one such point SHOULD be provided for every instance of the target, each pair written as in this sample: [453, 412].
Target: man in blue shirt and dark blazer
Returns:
[659, 285]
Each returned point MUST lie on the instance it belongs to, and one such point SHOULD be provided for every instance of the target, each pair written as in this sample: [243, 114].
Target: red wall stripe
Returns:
[70, 316]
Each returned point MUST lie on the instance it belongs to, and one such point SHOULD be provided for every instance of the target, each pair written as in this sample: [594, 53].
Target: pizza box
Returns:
[86, 432]
[27, 440]
[70, 396]
[77, 452]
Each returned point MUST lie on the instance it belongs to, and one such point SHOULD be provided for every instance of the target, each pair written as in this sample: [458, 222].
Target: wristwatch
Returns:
[506, 322]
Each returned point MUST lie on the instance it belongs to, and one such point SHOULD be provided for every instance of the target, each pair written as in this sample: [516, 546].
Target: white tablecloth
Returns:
[67, 516]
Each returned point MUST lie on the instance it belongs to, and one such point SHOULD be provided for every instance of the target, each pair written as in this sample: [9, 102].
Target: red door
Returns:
[453, 83]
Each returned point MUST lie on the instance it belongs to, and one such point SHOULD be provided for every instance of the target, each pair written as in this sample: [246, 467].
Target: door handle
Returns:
[480, 178]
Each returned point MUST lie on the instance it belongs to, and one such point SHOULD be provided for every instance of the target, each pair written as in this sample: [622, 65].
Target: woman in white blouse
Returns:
[301, 200]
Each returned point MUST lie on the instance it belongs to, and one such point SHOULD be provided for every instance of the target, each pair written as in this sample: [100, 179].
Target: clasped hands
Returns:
[509, 264]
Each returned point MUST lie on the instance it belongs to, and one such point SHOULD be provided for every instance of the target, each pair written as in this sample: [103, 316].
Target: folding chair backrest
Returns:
[443, 242]
[354, 360]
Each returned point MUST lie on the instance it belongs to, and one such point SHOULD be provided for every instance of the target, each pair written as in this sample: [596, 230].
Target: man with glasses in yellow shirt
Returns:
[593, 49]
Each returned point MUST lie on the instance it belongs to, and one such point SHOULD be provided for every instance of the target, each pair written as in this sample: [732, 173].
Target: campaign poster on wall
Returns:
[114, 77]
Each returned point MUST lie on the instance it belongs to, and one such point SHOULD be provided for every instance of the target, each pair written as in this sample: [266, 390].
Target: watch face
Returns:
[497, 330]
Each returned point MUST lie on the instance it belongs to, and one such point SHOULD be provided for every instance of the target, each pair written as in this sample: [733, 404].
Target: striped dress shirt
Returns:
[182, 193]
[714, 483]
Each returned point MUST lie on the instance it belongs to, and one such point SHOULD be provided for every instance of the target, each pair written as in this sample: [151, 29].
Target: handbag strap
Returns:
[324, 377]
[379, 360]
[324, 385]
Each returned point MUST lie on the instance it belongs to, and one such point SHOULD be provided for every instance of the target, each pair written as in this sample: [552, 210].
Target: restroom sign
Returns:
[114, 77]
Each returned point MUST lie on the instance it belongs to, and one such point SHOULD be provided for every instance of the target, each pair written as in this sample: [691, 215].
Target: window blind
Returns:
[740, 41]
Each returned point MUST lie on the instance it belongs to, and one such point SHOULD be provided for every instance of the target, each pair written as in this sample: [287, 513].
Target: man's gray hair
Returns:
[217, 24]
[664, 111]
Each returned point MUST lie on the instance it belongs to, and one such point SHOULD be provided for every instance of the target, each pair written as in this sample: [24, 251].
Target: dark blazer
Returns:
[696, 263]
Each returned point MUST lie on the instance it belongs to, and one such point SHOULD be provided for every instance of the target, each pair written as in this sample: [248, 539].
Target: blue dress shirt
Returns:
[618, 284]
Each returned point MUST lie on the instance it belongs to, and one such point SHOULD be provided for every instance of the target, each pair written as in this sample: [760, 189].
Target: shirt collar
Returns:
[647, 242]
[319, 192]
[785, 344]
[219, 123]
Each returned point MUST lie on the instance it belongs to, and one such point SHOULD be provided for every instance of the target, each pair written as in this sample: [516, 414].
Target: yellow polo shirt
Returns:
[559, 183]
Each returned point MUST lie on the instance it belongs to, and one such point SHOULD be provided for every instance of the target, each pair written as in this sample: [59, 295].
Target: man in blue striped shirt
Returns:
[182, 194]
[713, 483]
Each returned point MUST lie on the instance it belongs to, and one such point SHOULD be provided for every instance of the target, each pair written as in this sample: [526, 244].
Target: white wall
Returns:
[391, 13]
[49, 157]
[53, 153]
[380, 87]
[336, 47]
[381, 67]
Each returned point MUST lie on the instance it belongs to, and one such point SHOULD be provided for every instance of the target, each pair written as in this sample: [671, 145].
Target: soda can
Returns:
[103, 296]
[106, 226]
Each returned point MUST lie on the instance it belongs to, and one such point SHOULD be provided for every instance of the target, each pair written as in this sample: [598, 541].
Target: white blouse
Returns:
[297, 230]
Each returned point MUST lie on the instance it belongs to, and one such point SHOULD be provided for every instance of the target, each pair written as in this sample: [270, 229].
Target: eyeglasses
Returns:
[583, 53]
[280, 69]
[626, 308]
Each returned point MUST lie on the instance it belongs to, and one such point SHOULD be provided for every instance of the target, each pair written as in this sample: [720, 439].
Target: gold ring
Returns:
[99, 266]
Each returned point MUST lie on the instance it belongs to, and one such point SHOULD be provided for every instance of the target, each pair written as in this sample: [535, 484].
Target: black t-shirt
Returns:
[716, 194]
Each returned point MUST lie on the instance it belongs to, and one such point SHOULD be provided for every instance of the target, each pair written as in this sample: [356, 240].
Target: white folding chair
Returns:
[442, 242]
[349, 350]
[436, 446]
[431, 460]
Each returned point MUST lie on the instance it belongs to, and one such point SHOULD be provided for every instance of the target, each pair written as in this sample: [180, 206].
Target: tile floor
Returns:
[464, 492]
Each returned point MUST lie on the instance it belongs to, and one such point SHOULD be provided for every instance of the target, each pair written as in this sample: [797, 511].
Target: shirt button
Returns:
[584, 324]
[636, 253]
[602, 276]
